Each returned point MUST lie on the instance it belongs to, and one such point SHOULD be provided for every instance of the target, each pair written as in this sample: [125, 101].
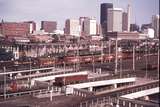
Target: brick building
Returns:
[49, 26]
[17, 28]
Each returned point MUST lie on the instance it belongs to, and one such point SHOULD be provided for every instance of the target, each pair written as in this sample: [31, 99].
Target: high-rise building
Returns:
[81, 22]
[155, 25]
[128, 17]
[145, 26]
[134, 28]
[98, 31]
[72, 27]
[49, 26]
[104, 16]
[17, 28]
[32, 26]
[114, 22]
[90, 25]
[125, 21]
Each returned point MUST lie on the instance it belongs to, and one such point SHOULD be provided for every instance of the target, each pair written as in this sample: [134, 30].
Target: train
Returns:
[66, 80]
[68, 60]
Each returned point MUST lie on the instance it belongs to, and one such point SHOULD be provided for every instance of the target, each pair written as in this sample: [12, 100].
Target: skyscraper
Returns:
[81, 22]
[104, 16]
[114, 21]
[90, 26]
[72, 27]
[49, 26]
[134, 27]
[155, 25]
[128, 17]
[125, 21]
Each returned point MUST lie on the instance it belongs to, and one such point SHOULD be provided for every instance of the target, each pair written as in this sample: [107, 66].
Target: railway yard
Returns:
[80, 78]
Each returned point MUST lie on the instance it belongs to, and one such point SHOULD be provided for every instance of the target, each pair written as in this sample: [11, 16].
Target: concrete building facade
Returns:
[155, 25]
[125, 21]
[17, 28]
[90, 25]
[114, 22]
[72, 27]
[104, 16]
[128, 17]
[81, 22]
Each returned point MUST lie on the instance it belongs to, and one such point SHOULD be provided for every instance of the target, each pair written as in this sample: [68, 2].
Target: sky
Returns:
[60, 10]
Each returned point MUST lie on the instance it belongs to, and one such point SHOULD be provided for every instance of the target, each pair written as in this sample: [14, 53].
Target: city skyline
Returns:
[39, 10]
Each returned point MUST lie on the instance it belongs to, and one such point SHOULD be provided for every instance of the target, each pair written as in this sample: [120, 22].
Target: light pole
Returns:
[4, 69]
[101, 52]
[133, 58]
[116, 57]
[78, 45]
[109, 49]
[120, 58]
[64, 65]
[30, 72]
[158, 61]
[146, 58]
[93, 63]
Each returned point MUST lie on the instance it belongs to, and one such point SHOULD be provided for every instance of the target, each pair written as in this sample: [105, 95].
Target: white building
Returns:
[114, 22]
[72, 27]
[149, 33]
[90, 26]
[129, 17]
[155, 25]
[126, 19]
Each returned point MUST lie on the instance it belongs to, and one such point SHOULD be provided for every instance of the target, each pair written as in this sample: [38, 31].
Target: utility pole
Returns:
[121, 67]
[30, 72]
[146, 58]
[158, 62]
[78, 63]
[4, 69]
[116, 57]
[51, 94]
[101, 52]
[93, 63]
[133, 57]
[109, 49]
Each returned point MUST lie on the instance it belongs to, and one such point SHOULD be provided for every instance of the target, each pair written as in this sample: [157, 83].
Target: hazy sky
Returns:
[60, 10]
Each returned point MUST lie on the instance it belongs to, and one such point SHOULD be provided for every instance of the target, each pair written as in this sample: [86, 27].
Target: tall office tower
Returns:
[146, 26]
[129, 17]
[98, 29]
[81, 22]
[72, 27]
[155, 25]
[17, 28]
[114, 22]
[125, 21]
[90, 25]
[48, 26]
[104, 16]
[134, 27]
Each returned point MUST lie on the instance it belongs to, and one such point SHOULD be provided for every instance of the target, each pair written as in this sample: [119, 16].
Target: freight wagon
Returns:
[60, 81]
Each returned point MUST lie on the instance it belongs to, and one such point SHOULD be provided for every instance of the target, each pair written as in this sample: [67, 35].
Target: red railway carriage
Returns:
[71, 60]
[44, 62]
[86, 59]
[13, 86]
[60, 81]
